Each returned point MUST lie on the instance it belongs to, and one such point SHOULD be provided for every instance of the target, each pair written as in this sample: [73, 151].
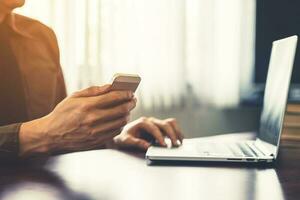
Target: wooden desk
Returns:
[113, 175]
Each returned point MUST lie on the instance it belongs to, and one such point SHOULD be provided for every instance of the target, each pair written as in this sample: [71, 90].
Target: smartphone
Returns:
[125, 82]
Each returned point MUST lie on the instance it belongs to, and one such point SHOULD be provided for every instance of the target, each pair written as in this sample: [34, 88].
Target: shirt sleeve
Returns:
[9, 141]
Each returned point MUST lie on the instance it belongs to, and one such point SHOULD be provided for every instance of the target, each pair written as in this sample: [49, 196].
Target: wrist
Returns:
[32, 138]
[111, 144]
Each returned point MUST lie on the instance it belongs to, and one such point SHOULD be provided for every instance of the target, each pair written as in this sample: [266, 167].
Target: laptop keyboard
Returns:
[246, 149]
[239, 149]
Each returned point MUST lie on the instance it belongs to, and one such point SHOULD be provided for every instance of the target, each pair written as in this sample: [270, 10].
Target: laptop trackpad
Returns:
[195, 147]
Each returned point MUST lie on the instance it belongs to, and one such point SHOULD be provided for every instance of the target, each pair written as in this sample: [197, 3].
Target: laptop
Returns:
[265, 147]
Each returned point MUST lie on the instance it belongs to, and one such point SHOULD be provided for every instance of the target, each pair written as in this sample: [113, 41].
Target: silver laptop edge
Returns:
[265, 147]
[288, 50]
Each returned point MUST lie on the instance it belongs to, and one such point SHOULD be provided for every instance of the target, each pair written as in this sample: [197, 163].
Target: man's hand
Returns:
[85, 120]
[136, 134]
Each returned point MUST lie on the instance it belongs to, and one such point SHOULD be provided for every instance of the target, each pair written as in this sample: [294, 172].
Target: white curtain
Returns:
[197, 51]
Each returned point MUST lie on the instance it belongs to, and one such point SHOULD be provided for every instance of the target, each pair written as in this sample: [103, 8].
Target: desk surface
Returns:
[113, 175]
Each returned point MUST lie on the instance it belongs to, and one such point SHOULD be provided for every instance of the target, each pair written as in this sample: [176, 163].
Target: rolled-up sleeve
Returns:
[9, 141]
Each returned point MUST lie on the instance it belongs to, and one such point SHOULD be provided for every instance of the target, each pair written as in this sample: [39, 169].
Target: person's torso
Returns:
[36, 54]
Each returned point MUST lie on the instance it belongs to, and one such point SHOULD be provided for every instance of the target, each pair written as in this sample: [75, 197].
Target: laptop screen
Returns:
[276, 91]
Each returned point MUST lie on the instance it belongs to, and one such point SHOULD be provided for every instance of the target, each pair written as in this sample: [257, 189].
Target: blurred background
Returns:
[202, 61]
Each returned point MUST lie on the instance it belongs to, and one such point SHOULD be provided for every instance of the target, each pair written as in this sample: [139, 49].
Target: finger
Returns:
[102, 115]
[98, 116]
[168, 130]
[137, 142]
[103, 128]
[176, 127]
[152, 129]
[92, 91]
[119, 111]
[111, 98]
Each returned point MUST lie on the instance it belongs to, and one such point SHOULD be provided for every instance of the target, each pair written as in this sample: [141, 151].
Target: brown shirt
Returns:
[35, 49]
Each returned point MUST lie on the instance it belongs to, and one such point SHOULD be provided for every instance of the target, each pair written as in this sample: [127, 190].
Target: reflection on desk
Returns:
[113, 175]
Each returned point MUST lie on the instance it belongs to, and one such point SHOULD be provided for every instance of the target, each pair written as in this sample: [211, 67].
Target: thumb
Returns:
[92, 91]
[139, 143]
